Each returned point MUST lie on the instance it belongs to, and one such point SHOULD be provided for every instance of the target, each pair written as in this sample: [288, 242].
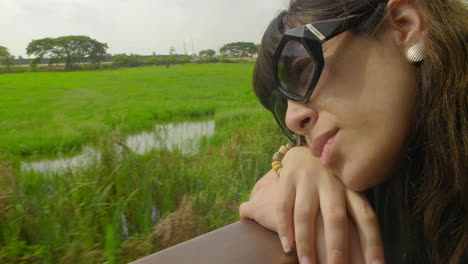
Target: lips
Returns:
[319, 142]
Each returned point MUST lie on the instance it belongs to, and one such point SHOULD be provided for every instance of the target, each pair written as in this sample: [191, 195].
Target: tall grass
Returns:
[127, 206]
[78, 216]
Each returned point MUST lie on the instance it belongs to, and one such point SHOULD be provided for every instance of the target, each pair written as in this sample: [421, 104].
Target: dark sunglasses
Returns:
[298, 63]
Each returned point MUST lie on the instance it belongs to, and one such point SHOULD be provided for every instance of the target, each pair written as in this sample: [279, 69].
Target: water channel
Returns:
[184, 137]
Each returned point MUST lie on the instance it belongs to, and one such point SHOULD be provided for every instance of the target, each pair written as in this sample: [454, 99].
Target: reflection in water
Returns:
[184, 137]
[85, 159]
[125, 232]
[155, 215]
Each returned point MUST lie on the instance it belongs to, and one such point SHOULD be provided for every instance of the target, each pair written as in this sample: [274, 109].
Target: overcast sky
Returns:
[137, 26]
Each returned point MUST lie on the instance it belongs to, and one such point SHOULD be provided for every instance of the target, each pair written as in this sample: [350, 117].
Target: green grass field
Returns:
[43, 113]
[121, 209]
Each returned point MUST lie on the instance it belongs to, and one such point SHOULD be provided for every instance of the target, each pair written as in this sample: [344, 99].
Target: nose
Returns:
[300, 118]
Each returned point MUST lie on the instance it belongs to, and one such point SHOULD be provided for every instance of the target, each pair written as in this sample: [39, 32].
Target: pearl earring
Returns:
[416, 53]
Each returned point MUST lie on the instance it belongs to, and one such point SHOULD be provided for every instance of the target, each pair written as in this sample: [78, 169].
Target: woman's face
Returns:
[366, 94]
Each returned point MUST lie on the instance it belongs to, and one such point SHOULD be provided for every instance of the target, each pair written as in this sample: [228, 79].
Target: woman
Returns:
[377, 89]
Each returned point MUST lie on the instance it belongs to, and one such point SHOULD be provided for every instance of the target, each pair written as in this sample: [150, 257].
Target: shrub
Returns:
[14, 69]
[183, 60]
[124, 60]
[208, 60]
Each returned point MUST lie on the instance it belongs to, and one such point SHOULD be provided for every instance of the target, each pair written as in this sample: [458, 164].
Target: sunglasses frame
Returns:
[311, 36]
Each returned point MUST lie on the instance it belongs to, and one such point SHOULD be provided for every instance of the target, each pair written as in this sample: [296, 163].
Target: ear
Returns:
[405, 18]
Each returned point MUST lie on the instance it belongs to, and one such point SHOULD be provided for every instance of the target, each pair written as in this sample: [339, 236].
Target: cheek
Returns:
[373, 138]
[366, 161]
[376, 117]
[370, 94]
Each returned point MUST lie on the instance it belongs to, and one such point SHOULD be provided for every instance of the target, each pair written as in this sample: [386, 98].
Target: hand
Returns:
[306, 187]
[261, 205]
[290, 206]
[261, 208]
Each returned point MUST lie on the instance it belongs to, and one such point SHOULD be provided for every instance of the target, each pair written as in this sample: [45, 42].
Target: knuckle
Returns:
[336, 215]
[303, 248]
[282, 223]
[368, 215]
[243, 206]
[302, 213]
[377, 250]
[243, 214]
[336, 254]
[282, 227]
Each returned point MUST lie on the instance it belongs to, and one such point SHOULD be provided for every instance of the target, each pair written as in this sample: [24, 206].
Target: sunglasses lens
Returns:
[295, 69]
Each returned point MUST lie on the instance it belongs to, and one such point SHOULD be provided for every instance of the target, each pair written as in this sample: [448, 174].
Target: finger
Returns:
[305, 215]
[333, 208]
[367, 225]
[246, 210]
[284, 211]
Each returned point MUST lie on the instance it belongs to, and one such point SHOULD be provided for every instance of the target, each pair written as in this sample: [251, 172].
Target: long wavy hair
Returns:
[433, 174]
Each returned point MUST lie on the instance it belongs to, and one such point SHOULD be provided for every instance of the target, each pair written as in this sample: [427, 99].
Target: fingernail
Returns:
[377, 261]
[305, 260]
[285, 243]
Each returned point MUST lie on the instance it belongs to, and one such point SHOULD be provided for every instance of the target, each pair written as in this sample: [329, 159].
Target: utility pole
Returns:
[192, 45]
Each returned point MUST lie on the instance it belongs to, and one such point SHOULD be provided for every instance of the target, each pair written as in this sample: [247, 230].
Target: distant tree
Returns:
[172, 51]
[239, 49]
[172, 57]
[184, 59]
[68, 49]
[5, 57]
[207, 53]
[53, 61]
[97, 52]
[39, 48]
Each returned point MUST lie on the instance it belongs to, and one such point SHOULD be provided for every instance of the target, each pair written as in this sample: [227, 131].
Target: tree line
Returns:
[71, 50]
[234, 49]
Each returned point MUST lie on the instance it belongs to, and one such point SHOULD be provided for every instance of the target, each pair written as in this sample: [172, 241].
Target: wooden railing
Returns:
[243, 242]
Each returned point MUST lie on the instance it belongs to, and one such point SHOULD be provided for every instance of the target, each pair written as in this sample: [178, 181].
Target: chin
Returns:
[358, 179]
[357, 186]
